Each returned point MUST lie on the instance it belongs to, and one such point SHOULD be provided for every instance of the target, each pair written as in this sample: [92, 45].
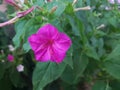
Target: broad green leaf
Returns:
[39, 3]
[69, 9]
[2, 70]
[16, 78]
[75, 29]
[101, 85]
[72, 76]
[45, 73]
[5, 84]
[19, 27]
[22, 34]
[115, 53]
[115, 84]
[113, 68]
[91, 52]
[26, 46]
[68, 59]
[112, 62]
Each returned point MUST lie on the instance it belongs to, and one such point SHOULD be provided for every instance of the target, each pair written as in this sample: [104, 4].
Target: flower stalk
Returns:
[82, 9]
[11, 21]
[19, 15]
[74, 2]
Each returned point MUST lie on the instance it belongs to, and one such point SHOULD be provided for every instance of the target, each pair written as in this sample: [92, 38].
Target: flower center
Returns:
[50, 42]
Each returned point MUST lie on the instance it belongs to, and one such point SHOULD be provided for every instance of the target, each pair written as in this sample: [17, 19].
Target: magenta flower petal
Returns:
[43, 55]
[48, 31]
[35, 41]
[49, 44]
[63, 42]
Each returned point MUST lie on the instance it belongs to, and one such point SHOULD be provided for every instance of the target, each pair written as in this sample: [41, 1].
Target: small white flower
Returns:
[20, 68]
[11, 48]
[111, 1]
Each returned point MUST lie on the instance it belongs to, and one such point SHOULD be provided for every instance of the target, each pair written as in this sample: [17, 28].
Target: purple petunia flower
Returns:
[10, 58]
[49, 44]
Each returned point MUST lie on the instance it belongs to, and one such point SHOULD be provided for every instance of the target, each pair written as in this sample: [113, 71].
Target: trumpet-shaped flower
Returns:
[49, 44]
[10, 2]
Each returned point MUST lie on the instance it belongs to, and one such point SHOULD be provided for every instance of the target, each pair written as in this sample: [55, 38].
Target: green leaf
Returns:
[69, 9]
[112, 62]
[115, 53]
[72, 76]
[45, 73]
[2, 70]
[22, 34]
[19, 27]
[113, 68]
[16, 78]
[60, 7]
[101, 85]
[115, 84]
[91, 52]
[75, 29]
[68, 59]
[26, 46]
[39, 2]
[5, 84]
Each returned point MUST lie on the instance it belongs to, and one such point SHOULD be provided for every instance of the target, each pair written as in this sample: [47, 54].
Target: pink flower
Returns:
[10, 58]
[49, 44]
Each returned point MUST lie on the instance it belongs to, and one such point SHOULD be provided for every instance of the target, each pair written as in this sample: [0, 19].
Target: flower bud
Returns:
[22, 14]
[10, 58]
[13, 3]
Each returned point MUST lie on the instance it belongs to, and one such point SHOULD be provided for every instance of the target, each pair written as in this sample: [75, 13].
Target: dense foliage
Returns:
[93, 60]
